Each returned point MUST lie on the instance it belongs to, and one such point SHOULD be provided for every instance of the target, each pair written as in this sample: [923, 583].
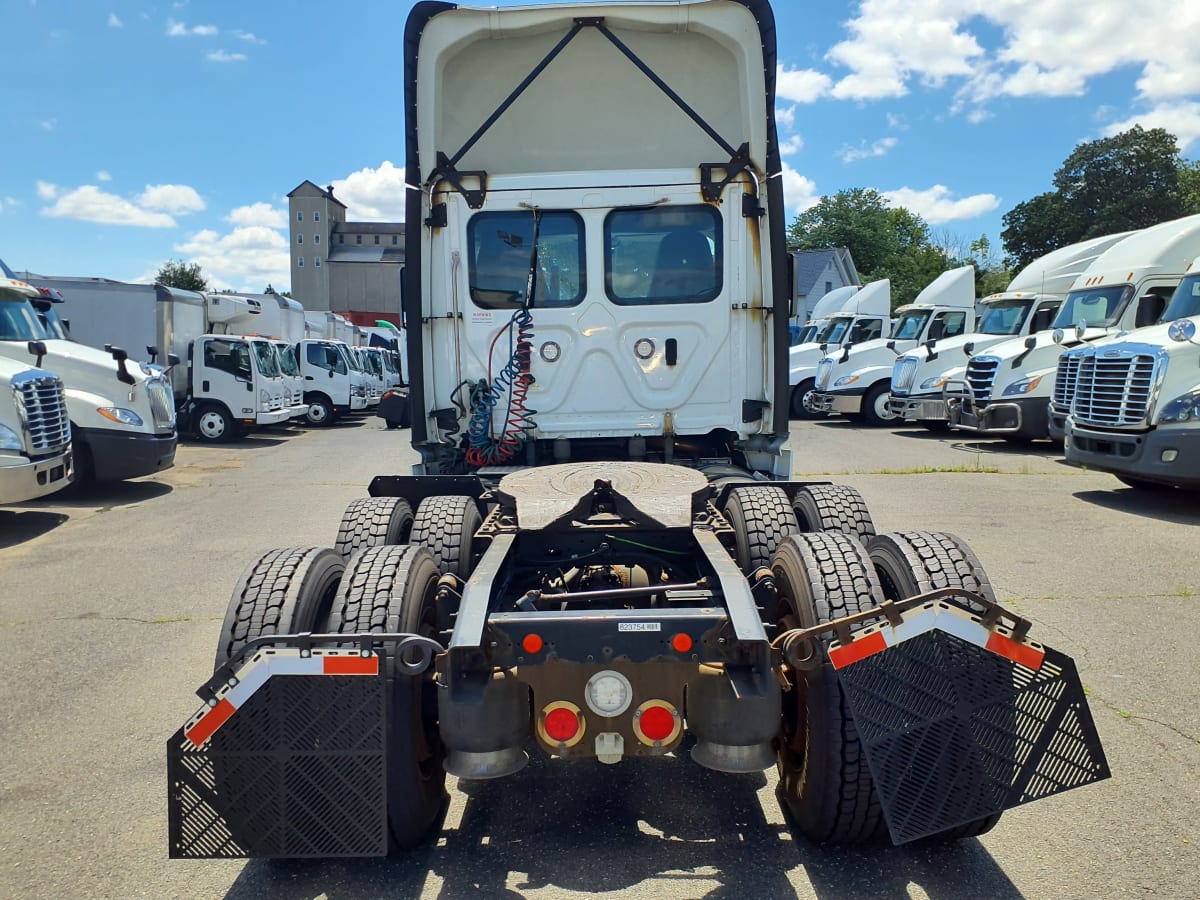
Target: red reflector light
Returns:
[657, 723]
[561, 725]
[532, 643]
[681, 643]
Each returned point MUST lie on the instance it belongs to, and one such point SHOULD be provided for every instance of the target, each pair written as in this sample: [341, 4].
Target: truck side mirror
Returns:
[1030, 342]
[891, 345]
[172, 359]
[152, 352]
[121, 356]
[969, 348]
[38, 349]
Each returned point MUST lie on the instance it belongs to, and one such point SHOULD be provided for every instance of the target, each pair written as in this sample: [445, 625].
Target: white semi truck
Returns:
[828, 304]
[860, 316]
[601, 553]
[221, 383]
[1026, 307]
[35, 427]
[1134, 402]
[1006, 391]
[856, 381]
[122, 418]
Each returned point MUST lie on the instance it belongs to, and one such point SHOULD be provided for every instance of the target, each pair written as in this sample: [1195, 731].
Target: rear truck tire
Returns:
[799, 392]
[285, 591]
[393, 589]
[874, 406]
[915, 562]
[761, 516]
[320, 412]
[214, 425]
[824, 781]
[373, 522]
[447, 526]
[833, 507]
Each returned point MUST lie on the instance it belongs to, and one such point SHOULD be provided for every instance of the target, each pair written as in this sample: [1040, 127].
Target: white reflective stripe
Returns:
[251, 678]
[940, 617]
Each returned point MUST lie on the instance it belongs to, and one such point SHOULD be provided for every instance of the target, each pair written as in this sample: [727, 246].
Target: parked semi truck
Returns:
[122, 419]
[863, 315]
[1134, 402]
[221, 383]
[856, 381]
[1026, 307]
[830, 303]
[601, 553]
[35, 427]
[1006, 391]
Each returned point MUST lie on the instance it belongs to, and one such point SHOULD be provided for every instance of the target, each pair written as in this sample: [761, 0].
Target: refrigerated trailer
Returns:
[601, 555]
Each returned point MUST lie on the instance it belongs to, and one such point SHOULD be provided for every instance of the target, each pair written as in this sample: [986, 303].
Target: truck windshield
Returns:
[1099, 306]
[1005, 316]
[833, 331]
[264, 355]
[52, 324]
[500, 254]
[348, 357]
[1185, 301]
[664, 254]
[18, 322]
[287, 359]
[911, 324]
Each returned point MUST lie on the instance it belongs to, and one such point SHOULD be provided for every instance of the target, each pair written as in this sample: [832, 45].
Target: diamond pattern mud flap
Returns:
[957, 728]
[298, 769]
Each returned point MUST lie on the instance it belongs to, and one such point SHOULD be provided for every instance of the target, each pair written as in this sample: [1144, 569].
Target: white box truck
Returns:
[35, 427]
[859, 316]
[221, 384]
[122, 418]
[618, 567]
[1027, 306]
[856, 381]
[1006, 391]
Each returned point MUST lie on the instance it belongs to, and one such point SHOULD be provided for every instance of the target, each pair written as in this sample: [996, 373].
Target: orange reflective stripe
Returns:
[210, 722]
[856, 650]
[1021, 654]
[351, 665]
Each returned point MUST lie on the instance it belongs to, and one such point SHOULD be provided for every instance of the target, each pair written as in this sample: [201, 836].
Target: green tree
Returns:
[1128, 181]
[991, 274]
[1189, 187]
[185, 276]
[885, 241]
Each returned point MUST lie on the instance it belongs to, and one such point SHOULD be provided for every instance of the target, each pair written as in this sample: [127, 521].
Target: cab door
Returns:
[222, 371]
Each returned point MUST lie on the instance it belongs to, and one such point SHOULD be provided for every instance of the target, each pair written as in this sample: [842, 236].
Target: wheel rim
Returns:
[212, 425]
[881, 408]
[317, 413]
[808, 403]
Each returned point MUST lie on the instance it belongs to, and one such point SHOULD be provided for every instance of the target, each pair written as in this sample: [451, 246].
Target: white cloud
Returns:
[786, 117]
[801, 85]
[799, 192]
[179, 29]
[176, 199]
[247, 258]
[222, 56]
[373, 195]
[48, 124]
[90, 204]
[46, 190]
[248, 37]
[790, 146]
[880, 147]
[258, 214]
[936, 206]
[103, 176]
[1181, 118]
[114, 22]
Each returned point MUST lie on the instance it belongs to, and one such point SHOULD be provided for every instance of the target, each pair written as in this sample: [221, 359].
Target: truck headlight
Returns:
[121, 416]
[930, 384]
[1024, 386]
[10, 440]
[845, 380]
[264, 401]
[1182, 409]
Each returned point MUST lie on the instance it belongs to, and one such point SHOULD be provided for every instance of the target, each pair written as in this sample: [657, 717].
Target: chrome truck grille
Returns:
[824, 371]
[903, 373]
[162, 402]
[1065, 378]
[981, 375]
[1114, 387]
[43, 405]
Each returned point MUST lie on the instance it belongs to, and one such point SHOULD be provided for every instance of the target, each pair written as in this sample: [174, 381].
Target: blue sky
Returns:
[141, 132]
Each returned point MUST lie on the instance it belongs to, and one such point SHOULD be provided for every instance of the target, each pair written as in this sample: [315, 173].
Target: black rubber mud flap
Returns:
[296, 769]
[959, 723]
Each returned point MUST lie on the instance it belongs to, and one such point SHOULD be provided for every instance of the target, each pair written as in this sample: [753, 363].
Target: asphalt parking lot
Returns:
[113, 599]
